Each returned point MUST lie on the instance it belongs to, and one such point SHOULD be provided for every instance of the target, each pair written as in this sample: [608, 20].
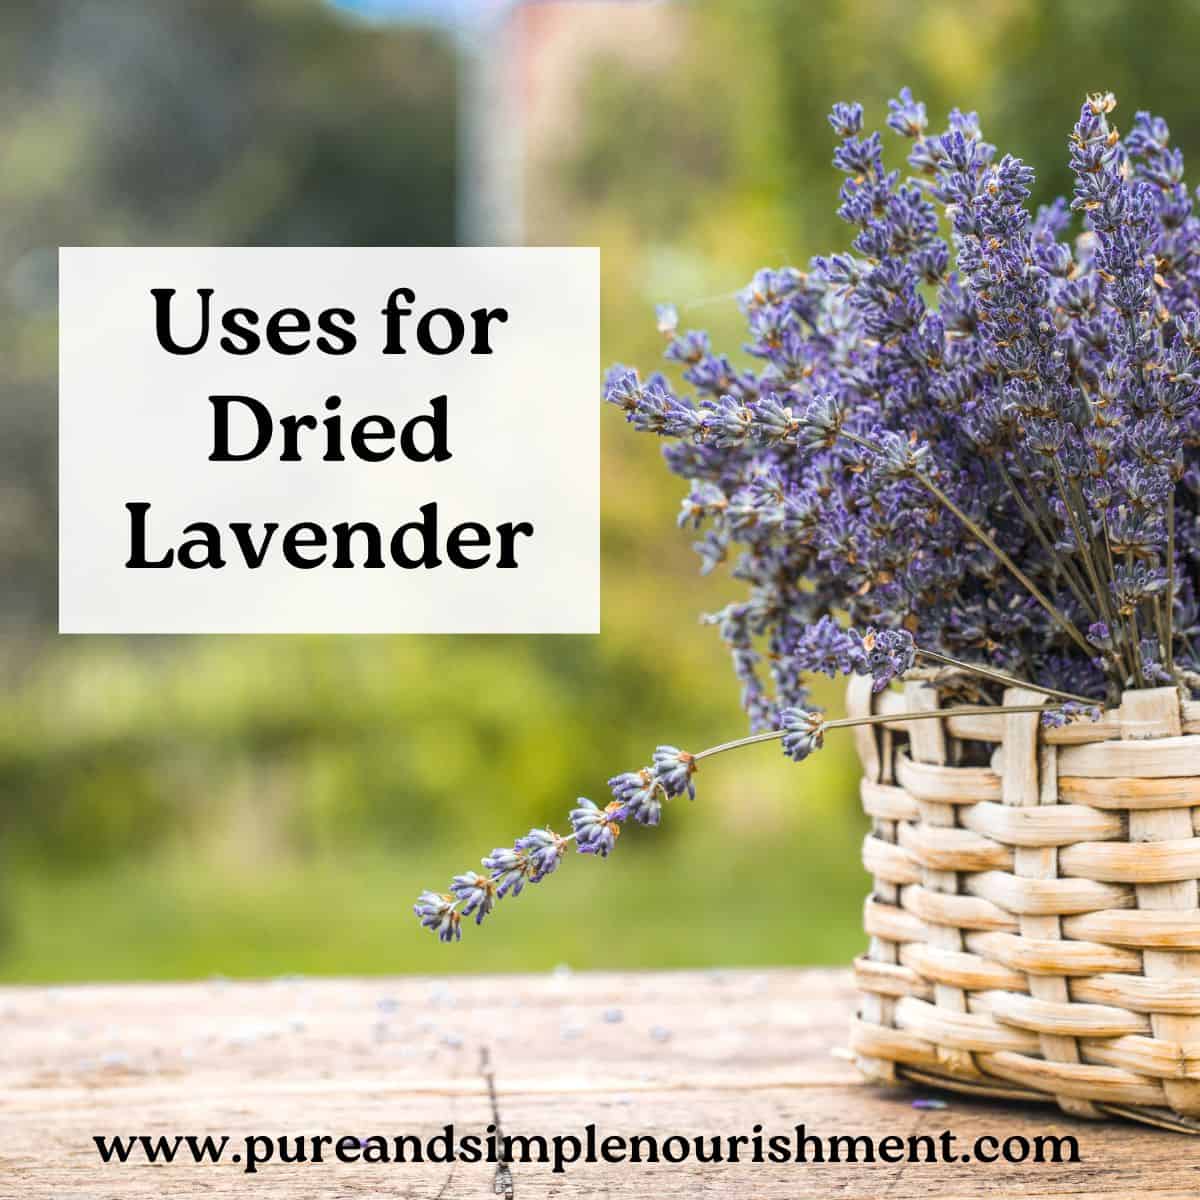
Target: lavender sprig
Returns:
[440, 913]
[642, 795]
[597, 829]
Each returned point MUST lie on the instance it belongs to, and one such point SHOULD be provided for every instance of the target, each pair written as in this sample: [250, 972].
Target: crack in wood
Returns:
[503, 1183]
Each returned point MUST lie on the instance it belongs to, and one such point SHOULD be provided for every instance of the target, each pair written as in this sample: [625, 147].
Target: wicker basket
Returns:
[1034, 928]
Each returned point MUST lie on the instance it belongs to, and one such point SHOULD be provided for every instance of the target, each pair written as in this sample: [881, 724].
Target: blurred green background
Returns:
[249, 806]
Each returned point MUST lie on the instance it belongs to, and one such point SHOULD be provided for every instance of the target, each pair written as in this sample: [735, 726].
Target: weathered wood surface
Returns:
[689, 1052]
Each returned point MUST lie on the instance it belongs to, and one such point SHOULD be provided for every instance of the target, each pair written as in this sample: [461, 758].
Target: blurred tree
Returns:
[213, 124]
[737, 123]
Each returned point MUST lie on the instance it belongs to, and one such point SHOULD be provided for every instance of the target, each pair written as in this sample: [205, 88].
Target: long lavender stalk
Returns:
[641, 795]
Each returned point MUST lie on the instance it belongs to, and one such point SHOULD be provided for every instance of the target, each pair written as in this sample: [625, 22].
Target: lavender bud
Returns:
[887, 654]
[510, 867]
[477, 893]
[674, 768]
[640, 793]
[438, 912]
[820, 424]
[846, 119]
[906, 115]
[805, 732]
[543, 850]
[828, 648]
[597, 829]
[1070, 713]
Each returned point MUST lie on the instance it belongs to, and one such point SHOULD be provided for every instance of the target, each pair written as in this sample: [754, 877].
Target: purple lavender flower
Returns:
[999, 462]
[437, 912]
[597, 829]
[805, 733]
[886, 654]
[1134, 583]
[846, 119]
[543, 850]
[673, 770]
[824, 646]
[510, 868]
[640, 793]
[529, 860]
[477, 894]
[1069, 713]
[906, 115]
[1151, 667]
[820, 423]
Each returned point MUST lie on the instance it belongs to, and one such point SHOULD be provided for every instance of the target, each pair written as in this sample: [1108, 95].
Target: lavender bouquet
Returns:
[971, 437]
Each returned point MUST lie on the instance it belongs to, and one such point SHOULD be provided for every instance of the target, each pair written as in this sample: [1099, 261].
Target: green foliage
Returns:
[250, 805]
[222, 123]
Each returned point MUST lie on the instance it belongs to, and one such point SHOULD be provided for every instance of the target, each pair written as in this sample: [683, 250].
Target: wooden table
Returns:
[708, 1053]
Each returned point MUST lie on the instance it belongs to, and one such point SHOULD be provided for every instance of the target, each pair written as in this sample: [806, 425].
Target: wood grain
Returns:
[687, 1052]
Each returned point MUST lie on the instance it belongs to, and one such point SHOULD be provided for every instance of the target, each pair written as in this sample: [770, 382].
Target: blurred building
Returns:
[522, 62]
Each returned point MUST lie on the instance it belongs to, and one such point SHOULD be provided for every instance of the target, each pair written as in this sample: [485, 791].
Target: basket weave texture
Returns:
[1034, 923]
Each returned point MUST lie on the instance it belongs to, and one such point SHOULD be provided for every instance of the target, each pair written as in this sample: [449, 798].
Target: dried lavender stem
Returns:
[974, 528]
[1103, 567]
[1159, 620]
[1169, 641]
[962, 710]
[1137, 636]
[1127, 663]
[1039, 503]
[1031, 520]
[1101, 599]
[1084, 548]
[977, 531]
[1090, 544]
[455, 904]
[999, 676]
